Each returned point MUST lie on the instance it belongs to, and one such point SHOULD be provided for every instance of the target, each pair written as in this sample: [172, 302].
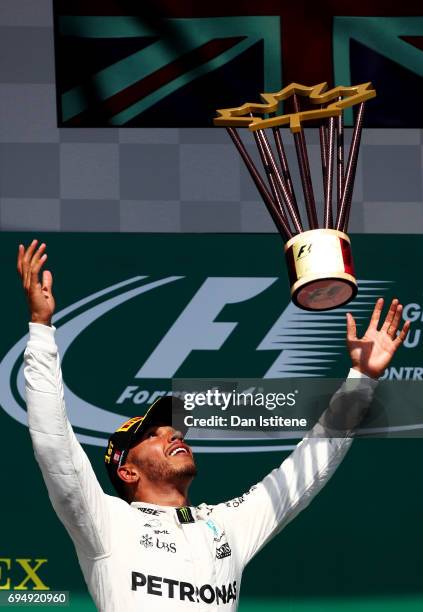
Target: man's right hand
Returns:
[39, 295]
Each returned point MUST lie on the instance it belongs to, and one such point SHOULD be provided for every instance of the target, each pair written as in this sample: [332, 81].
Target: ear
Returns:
[129, 473]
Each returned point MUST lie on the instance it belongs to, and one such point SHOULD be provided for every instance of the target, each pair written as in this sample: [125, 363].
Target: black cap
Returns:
[163, 411]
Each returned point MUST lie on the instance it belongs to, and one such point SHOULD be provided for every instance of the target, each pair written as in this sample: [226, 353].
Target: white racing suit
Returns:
[142, 557]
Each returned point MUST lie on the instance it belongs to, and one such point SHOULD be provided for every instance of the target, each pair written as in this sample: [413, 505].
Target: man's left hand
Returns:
[372, 353]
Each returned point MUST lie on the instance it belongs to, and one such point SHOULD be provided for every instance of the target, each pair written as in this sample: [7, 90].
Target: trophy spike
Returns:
[284, 164]
[340, 156]
[304, 166]
[280, 183]
[323, 137]
[328, 219]
[269, 168]
[259, 183]
[345, 205]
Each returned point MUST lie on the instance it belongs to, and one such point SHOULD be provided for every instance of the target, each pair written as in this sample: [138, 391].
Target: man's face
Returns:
[162, 455]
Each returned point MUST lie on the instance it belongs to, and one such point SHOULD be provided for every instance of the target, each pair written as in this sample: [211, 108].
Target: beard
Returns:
[165, 471]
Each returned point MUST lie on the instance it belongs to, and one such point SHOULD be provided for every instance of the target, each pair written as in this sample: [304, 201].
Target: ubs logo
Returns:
[149, 541]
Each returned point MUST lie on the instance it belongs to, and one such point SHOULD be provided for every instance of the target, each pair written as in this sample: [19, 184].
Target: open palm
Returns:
[372, 353]
[39, 294]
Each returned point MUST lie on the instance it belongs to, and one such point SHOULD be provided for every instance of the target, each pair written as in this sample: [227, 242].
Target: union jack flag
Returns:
[163, 63]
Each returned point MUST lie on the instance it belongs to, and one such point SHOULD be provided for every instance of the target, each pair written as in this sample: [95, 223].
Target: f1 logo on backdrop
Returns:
[299, 345]
[196, 328]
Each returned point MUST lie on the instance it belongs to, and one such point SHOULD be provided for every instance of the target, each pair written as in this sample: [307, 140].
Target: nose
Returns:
[177, 435]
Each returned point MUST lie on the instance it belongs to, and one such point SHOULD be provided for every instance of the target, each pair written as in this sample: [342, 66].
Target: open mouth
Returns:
[178, 451]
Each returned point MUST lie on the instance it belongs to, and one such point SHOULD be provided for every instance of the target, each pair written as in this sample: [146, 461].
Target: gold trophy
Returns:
[319, 259]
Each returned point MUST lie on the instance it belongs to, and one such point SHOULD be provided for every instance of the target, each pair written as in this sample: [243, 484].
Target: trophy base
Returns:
[321, 269]
[324, 293]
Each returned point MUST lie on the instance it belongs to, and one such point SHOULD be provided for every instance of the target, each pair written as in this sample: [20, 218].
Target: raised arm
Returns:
[72, 485]
[254, 518]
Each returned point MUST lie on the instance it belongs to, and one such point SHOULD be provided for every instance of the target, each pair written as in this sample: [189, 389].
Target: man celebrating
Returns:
[148, 549]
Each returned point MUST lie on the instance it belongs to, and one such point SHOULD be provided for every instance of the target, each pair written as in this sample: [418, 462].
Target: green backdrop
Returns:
[358, 546]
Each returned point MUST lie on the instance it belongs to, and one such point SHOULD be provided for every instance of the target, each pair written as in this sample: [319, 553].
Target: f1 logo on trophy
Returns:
[319, 259]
